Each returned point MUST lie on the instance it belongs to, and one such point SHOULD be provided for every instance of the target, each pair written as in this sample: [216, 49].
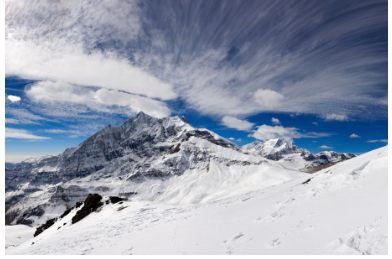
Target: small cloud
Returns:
[315, 123]
[378, 140]
[314, 141]
[267, 98]
[235, 139]
[13, 98]
[336, 117]
[275, 120]
[21, 134]
[354, 136]
[292, 115]
[325, 147]
[238, 124]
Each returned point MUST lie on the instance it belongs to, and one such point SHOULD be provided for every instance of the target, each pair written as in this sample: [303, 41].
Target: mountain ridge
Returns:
[138, 158]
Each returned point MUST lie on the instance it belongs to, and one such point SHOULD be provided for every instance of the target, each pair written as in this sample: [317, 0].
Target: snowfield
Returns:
[339, 210]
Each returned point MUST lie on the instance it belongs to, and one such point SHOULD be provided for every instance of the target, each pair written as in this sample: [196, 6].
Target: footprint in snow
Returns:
[127, 251]
[275, 242]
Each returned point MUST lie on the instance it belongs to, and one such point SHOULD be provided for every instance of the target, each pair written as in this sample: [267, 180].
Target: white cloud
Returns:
[336, 117]
[99, 100]
[11, 121]
[315, 123]
[136, 103]
[238, 124]
[325, 147]
[13, 98]
[268, 98]
[95, 69]
[231, 138]
[21, 134]
[71, 56]
[354, 136]
[122, 46]
[275, 121]
[266, 132]
[378, 140]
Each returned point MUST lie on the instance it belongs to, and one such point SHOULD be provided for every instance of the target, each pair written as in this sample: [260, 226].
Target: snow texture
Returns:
[339, 210]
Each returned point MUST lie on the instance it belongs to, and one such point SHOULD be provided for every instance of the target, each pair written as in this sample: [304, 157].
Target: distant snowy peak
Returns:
[278, 149]
[272, 149]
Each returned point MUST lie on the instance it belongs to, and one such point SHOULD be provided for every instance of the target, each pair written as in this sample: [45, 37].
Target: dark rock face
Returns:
[91, 204]
[45, 226]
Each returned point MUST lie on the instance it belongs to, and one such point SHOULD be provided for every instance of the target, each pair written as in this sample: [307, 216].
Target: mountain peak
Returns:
[277, 142]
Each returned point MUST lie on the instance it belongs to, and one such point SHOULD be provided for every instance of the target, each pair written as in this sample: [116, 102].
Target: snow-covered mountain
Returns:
[292, 156]
[147, 158]
[342, 209]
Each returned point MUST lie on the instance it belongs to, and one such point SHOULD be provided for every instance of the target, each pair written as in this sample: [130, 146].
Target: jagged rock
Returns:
[45, 226]
[91, 204]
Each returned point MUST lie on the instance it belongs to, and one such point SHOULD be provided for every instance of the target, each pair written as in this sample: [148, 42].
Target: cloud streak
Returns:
[102, 100]
[21, 134]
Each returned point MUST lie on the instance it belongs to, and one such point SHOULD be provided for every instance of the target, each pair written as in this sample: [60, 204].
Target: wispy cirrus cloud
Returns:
[21, 134]
[245, 57]
[378, 140]
[325, 147]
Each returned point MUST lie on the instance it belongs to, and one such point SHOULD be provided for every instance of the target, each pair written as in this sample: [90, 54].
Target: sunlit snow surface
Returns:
[341, 210]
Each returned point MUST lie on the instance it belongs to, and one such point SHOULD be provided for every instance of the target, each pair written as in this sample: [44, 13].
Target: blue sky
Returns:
[314, 72]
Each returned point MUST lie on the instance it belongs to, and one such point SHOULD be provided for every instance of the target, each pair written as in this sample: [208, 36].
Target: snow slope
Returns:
[17, 234]
[338, 210]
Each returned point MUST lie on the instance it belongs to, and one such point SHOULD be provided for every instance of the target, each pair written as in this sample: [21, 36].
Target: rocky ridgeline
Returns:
[117, 160]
